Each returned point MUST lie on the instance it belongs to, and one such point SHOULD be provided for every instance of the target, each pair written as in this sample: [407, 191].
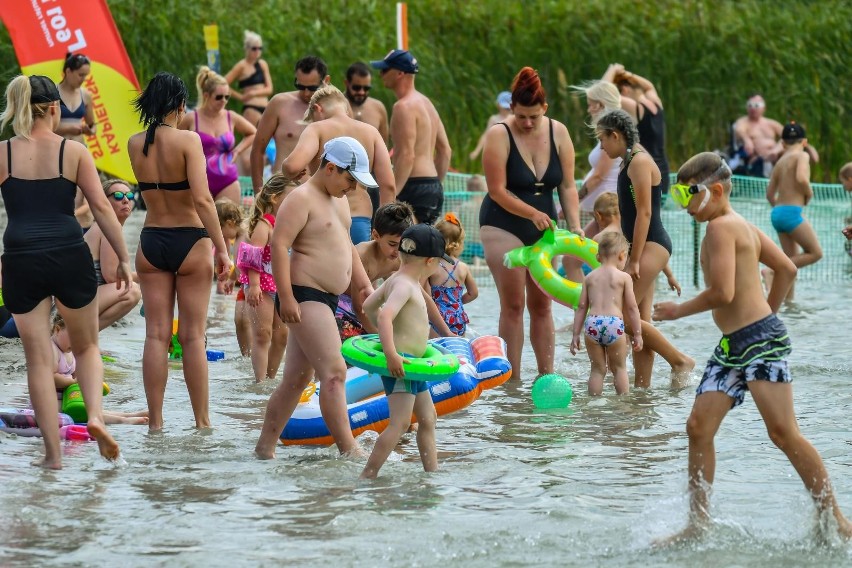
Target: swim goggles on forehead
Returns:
[682, 193]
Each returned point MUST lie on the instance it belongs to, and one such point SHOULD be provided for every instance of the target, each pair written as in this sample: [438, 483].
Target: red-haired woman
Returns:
[526, 158]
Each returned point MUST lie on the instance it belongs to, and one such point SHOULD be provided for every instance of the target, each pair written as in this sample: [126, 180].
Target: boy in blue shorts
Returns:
[398, 309]
[752, 355]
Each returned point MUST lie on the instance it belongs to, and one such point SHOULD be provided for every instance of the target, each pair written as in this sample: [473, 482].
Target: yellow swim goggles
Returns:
[682, 194]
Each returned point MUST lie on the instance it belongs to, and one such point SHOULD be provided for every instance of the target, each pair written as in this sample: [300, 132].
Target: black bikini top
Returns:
[165, 186]
[255, 78]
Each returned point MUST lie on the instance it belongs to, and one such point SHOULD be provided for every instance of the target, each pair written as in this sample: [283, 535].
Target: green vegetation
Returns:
[705, 56]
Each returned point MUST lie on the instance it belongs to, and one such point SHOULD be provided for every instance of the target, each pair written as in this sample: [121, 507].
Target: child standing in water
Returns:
[269, 334]
[231, 222]
[398, 309]
[788, 191]
[752, 354]
[606, 297]
[452, 283]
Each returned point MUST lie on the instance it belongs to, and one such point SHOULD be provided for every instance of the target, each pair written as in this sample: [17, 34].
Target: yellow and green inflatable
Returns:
[538, 259]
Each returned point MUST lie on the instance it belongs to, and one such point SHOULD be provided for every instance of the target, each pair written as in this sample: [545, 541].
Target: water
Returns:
[588, 486]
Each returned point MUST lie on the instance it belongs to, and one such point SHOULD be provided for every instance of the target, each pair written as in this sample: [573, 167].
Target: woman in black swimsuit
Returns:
[173, 259]
[45, 256]
[526, 158]
[639, 196]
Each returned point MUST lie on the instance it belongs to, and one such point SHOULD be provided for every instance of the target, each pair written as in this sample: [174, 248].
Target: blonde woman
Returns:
[215, 126]
[252, 76]
[45, 256]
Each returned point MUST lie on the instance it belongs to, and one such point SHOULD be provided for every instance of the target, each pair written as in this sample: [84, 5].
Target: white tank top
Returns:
[609, 183]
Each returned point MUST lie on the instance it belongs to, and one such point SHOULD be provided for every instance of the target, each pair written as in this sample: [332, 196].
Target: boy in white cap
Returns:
[397, 308]
[313, 223]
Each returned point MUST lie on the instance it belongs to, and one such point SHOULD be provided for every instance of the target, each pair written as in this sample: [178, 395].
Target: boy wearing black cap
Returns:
[398, 309]
[788, 191]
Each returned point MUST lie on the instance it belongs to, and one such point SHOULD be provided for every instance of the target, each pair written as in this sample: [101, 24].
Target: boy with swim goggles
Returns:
[683, 194]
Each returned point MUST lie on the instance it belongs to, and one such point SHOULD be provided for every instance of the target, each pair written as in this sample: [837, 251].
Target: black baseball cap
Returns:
[43, 90]
[793, 131]
[425, 241]
[398, 59]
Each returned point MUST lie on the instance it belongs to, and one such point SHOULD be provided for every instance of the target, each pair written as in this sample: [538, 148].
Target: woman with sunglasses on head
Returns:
[215, 126]
[639, 197]
[45, 257]
[112, 303]
[79, 122]
[173, 259]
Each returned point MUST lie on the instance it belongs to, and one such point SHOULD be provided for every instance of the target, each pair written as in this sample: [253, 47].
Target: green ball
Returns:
[551, 391]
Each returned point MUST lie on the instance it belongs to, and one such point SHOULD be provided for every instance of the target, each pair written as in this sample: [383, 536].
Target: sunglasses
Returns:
[257, 48]
[119, 195]
[755, 105]
[225, 97]
[357, 88]
[311, 88]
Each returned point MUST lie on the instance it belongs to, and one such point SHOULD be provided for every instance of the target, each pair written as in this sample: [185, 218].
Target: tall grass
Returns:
[704, 56]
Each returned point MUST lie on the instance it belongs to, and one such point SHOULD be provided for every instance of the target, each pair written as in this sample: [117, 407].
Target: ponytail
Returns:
[20, 110]
[206, 82]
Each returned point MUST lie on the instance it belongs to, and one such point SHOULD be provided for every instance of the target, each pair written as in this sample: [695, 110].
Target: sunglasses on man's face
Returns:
[257, 48]
[119, 195]
[755, 105]
[357, 88]
[225, 97]
[311, 88]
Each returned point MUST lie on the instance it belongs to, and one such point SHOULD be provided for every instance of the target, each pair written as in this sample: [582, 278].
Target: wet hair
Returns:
[607, 205]
[476, 183]
[312, 63]
[393, 218]
[164, 94]
[20, 108]
[621, 122]
[526, 88]
[207, 80]
[846, 171]
[276, 186]
[450, 227]
[325, 92]
[107, 185]
[612, 244]
[250, 38]
[74, 61]
[706, 167]
[358, 68]
[227, 211]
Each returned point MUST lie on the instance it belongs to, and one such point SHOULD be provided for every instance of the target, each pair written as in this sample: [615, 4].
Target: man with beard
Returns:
[358, 84]
[282, 119]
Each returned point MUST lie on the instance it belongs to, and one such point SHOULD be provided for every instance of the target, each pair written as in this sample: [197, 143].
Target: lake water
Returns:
[592, 485]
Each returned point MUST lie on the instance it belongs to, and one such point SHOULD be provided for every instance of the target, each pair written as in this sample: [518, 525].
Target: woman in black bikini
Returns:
[525, 159]
[45, 256]
[639, 195]
[173, 259]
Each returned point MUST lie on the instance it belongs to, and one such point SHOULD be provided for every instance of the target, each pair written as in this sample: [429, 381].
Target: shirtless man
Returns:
[359, 81]
[421, 149]
[328, 117]
[788, 191]
[759, 136]
[282, 119]
[313, 221]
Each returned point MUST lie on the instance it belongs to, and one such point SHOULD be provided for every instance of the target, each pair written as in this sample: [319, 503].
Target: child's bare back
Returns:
[790, 181]
[606, 287]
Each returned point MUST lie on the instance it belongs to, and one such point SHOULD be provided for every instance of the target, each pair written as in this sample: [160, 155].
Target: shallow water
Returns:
[589, 486]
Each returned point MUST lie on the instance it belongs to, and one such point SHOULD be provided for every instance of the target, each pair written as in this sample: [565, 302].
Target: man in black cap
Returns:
[421, 151]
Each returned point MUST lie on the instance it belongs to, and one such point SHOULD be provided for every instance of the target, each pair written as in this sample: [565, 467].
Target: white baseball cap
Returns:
[347, 153]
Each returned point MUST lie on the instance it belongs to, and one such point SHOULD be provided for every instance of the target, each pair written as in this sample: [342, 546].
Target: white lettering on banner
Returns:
[40, 17]
[60, 25]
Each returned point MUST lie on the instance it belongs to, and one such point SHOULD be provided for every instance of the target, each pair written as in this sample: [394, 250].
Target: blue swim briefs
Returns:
[359, 232]
[392, 385]
[785, 218]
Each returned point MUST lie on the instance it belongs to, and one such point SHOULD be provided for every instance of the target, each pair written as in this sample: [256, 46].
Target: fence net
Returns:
[828, 212]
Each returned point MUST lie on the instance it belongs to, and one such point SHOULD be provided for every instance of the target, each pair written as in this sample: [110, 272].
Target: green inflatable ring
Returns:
[365, 352]
[538, 259]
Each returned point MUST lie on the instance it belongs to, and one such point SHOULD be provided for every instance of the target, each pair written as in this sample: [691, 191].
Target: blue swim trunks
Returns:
[392, 385]
[785, 218]
[359, 232]
[757, 352]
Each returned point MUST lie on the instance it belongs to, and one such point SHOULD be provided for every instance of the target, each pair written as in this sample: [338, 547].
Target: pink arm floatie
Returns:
[250, 257]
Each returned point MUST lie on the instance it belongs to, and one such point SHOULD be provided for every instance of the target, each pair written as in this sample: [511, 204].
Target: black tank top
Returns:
[40, 211]
[652, 136]
[627, 207]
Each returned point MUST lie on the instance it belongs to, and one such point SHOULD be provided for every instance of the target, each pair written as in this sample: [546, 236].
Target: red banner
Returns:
[43, 31]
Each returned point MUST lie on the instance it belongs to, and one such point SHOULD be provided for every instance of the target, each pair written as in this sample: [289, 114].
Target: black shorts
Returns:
[426, 197]
[67, 273]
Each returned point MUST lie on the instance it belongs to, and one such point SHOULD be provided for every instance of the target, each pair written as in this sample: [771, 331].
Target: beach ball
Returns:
[551, 391]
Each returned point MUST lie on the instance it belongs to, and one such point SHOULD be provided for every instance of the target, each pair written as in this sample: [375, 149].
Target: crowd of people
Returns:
[337, 194]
